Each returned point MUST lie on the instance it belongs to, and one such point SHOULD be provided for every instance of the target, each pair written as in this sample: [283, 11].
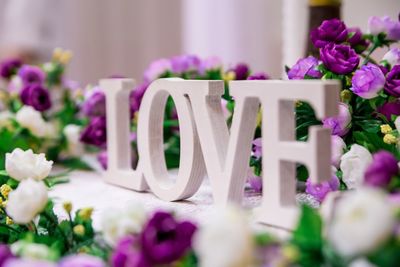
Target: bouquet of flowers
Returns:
[40, 110]
[365, 134]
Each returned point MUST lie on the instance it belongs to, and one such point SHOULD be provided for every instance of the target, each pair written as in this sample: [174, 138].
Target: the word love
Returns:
[209, 147]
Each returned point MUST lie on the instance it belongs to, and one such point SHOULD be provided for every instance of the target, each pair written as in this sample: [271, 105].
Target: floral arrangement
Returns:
[184, 66]
[366, 132]
[39, 109]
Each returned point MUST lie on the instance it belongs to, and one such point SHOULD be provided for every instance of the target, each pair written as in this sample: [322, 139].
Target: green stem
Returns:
[370, 51]
[55, 222]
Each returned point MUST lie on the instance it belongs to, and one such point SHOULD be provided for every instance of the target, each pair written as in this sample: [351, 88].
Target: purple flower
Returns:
[28, 263]
[102, 158]
[95, 133]
[330, 31]
[340, 59]
[386, 25]
[381, 170]
[127, 253]
[368, 81]
[36, 96]
[305, 66]
[5, 254]
[9, 67]
[258, 76]
[241, 71]
[320, 190]
[81, 260]
[165, 240]
[390, 108]
[255, 183]
[356, 40]
[393, 56]
[31, 75]
[392, 85]
[257, 148]
[157, 69]
[185, 63]
[340, 124]
[210, 63]
[95, 103]
[136, 97]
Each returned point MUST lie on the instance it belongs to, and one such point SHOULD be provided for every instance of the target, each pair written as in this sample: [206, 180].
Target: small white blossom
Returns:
[72, 133]
[353, 165]
[32, 120]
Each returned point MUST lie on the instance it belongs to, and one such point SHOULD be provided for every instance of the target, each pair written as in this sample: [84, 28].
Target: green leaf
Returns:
[3, 173]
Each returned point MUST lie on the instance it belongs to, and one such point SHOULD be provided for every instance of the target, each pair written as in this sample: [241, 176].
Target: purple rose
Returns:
[368, 81]
[81, 260]
[356, 40]
[127, 253]
[157, 69]
[164, 240]
[31, 75]
[210, 63]
[341, 123]
[36, 96]
[255, 183]
[320, 190]
[9, 67]
[381, 170]
[241, 71]
[392, 85]
[5, 254]
[185, 63]
[390, 108]
[340, 59]
[392, 57]
[305, 66]
[386, 25]
[258, 76]
[257, 148]
[95, 103]
[136, 97]
[330, 31]
[95, 133]
[28, 263]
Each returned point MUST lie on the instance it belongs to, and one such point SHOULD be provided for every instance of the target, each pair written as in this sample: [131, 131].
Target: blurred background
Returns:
[124, 36]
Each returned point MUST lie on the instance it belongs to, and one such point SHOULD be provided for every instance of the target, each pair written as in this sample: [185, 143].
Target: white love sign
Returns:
[209, 147]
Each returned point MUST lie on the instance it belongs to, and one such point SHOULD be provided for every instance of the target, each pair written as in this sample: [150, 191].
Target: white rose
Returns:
[32, 120]
[225, 241]
[338, 145]
[31, 250]
[363, 220]
[72, 133]
[392, 56]
[117, 223]
[22, 165]
[27, 201]
[361, 262]
[353, 165]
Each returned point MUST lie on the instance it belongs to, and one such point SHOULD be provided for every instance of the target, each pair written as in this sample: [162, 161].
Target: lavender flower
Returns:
[305, 66]
[255, 183]
[392, 85]
[389, 109]
[127, 253]
[258, 76]
[95, 133]
[210, 63]
[5, 254]
[241, 71]
[320, 190]
[157, 69]
[9, 67]
[340, 124]
[340, 59]
[136, 97]
[165, 240]
[36, 96]
[386, 25]
[28, 263]
[102, 158]
[257, 148]
[392, 57]
[185, 63]
[368, 81]
[381, 170]
[31, 75]
[81, 260]
[330, 31]
[95, 103]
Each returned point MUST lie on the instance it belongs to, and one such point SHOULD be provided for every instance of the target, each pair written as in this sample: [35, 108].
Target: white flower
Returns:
[353, 165]
[22, 165]
[27, 201]
[32, 251]
[117, 223]
[32, 120]
[397, 123]
[392, 56]
[338, 145]
[363, 221]
[361, 262]
[15, 85]
[225, 241]
[72, 133]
